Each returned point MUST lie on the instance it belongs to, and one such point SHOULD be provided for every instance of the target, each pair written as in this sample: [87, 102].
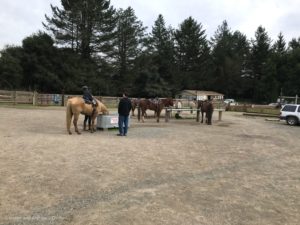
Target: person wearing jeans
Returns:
[124, 108]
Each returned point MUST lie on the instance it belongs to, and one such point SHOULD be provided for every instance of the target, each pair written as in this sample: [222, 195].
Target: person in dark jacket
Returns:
[88, 99]
[87, 96]
[124, 108]
[209, 110]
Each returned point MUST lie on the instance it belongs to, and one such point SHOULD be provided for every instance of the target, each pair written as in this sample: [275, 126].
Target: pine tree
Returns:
[279, 58]
[85, 26]
[163, 47]
[260, 55]
[280, 45]
[192, 53]
[229, 53]
[128, 46]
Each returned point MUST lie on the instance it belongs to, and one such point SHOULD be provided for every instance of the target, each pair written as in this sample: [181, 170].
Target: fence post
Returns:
[167, 116]
[220, 115]
[34, 98]
[15, 97]
[63, 97]
[296, 100]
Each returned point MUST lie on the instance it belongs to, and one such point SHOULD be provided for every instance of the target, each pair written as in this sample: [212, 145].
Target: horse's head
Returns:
[199, 104]
[104, 109]
[169, 102]
[101, 108]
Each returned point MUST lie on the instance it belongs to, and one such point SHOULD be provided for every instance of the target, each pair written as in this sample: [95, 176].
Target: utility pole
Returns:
[280, 98]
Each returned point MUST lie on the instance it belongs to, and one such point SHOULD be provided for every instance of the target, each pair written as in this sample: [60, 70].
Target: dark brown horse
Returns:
[207, 108]
[157, 105]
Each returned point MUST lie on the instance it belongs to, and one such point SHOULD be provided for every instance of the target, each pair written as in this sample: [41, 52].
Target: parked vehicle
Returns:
[230, 101]
[290, 113]
[277, 105]
[273, 104]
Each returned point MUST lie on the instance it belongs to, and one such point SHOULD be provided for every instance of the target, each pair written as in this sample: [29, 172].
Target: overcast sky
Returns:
[21, 18]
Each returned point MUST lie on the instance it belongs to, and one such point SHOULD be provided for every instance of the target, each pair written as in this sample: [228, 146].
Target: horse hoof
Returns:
[70, 133]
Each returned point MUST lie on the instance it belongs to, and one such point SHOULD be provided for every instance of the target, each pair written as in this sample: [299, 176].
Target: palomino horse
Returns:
[207, 108]
[77, 106]
[156, 105]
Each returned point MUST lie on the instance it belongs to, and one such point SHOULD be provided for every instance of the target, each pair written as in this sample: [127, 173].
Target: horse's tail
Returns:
[69, 115]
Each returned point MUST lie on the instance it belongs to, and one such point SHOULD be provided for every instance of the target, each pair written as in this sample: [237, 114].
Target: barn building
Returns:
[200, 95]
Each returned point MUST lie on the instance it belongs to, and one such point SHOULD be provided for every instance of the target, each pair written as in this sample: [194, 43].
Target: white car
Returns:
[230, 101]
[290, 113]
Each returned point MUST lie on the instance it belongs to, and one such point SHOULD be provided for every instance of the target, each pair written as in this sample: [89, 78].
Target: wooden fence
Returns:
[41, 99]
[17, 97]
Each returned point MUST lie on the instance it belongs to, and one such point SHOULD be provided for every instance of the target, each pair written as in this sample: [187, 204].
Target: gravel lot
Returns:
[241, 170]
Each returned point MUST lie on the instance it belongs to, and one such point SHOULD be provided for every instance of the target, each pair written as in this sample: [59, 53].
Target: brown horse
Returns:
[77, 106]
[207, 108]
[134, 105]
[157, 105]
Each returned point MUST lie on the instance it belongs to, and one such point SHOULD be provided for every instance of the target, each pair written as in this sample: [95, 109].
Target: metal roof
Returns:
[201, 92]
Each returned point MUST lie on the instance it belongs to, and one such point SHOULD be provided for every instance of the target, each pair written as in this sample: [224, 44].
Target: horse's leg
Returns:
[69, 124]
[69, 116]
[89, 121]
[209, 118]
[202, 116]
[158, 114]
[93, 123]
[139, 113]
[75, 120]
[84, 122]
[143, 115]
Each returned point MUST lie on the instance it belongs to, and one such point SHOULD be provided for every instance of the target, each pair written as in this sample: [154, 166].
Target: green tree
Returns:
[127, 47]
[161, 39]
[11, 71]
[38, 63]
[47, 68]
[229, 52]
[280, 59]
[86, 26]
[192, 53]
[291, 85]
[260, 54]
[294, 43]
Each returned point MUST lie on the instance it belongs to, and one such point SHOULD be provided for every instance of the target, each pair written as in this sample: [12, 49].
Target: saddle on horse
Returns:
[92, 102]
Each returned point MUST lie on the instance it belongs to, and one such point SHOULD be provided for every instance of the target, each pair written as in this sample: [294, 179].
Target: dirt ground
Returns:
[241, 170]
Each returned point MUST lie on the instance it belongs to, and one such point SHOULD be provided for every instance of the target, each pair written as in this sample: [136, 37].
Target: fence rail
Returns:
[41, 99]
